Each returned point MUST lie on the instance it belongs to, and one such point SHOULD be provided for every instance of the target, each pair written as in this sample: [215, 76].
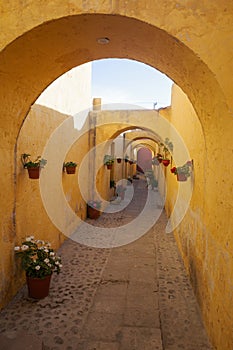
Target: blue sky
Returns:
[130, 82]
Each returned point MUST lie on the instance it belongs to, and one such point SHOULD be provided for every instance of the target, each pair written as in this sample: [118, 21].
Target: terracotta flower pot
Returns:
[34, 173]
[118, 160]
[92, 213]
[70, 169]
[38, 288]
[109, 166]
[166, 162]
[181, 177]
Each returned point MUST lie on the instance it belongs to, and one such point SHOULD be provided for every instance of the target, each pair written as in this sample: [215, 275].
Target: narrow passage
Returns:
[133, 297]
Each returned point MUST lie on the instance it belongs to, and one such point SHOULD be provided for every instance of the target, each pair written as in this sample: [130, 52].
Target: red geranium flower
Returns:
[173, 170]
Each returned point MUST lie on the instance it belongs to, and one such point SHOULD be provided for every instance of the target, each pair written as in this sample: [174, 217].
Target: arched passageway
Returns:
[40, 48]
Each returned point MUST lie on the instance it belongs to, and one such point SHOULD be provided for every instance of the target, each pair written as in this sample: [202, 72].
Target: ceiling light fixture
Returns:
[103, 41]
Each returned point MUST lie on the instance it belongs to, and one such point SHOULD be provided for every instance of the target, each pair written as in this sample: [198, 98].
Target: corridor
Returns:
[134, 297]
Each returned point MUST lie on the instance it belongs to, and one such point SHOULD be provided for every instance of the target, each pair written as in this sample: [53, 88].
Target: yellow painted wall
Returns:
[206, 249]
[76, 188]
[31, 217]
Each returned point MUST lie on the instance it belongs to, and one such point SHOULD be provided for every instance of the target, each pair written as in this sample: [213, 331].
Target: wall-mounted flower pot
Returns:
[34, 173]
[118, 160]
[92, 213]
[166, 162]
[38, 288]
[70, 169]
[109, 166]
[181, 177]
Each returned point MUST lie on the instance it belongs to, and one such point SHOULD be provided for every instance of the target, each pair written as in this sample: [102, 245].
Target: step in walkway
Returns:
[132, 297]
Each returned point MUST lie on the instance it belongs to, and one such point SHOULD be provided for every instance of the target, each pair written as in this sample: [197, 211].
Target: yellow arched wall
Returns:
[189, 42]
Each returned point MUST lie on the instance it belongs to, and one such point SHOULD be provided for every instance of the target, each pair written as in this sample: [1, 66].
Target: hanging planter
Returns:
[34, 173]
[155, 161]
[181, 177]
[119, 160]
[166, 162]
[70, 167]
[108, 160]
[183, 172]
[33, 167]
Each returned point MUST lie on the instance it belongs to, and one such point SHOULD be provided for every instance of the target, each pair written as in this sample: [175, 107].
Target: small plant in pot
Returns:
[70, 167]
[93, 209]
[33, 166]
[39, 261]
[112, 184]
[155, 161]
[159, 157]
[183, 172]
[126, 159]
[108, 160]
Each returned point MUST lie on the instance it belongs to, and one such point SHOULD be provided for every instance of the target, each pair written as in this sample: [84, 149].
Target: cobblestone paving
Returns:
[135, 297]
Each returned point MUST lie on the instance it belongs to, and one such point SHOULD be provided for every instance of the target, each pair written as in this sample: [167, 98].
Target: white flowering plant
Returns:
[38, 259]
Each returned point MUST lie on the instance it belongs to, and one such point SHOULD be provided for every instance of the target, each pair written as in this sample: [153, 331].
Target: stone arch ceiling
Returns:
[33, 60]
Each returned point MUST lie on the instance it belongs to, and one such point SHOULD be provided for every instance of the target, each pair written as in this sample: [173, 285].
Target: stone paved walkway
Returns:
[134, 297]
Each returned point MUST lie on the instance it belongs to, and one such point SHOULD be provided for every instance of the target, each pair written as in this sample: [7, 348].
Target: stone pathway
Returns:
[133, 297]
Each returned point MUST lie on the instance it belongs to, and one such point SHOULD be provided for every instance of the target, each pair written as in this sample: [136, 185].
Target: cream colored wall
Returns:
[70, 93]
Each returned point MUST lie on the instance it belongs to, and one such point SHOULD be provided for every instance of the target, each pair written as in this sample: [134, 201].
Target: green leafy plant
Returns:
[184, 169]
[112, 184]
[108, 159]
[28, 163]
[69, 164]
[38, 259]
[126, 158]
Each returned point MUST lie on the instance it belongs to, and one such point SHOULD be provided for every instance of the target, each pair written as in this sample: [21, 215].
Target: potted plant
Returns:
[112, 184]
[118, 160]
[39, 261]
[120, 191]
[126, 159]
[93, 209]
[70, 167]
[108, 160]
[182, 172]
[159, 157]
[155, 161]
[34, 166]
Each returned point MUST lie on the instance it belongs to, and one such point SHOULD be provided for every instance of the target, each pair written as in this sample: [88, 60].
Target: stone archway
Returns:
[190, 44]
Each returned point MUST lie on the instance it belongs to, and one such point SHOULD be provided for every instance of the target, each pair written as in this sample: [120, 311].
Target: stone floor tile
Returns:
[101, 346]
[102, 326]
[137, 338]
[126, 298]
[141, 318]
